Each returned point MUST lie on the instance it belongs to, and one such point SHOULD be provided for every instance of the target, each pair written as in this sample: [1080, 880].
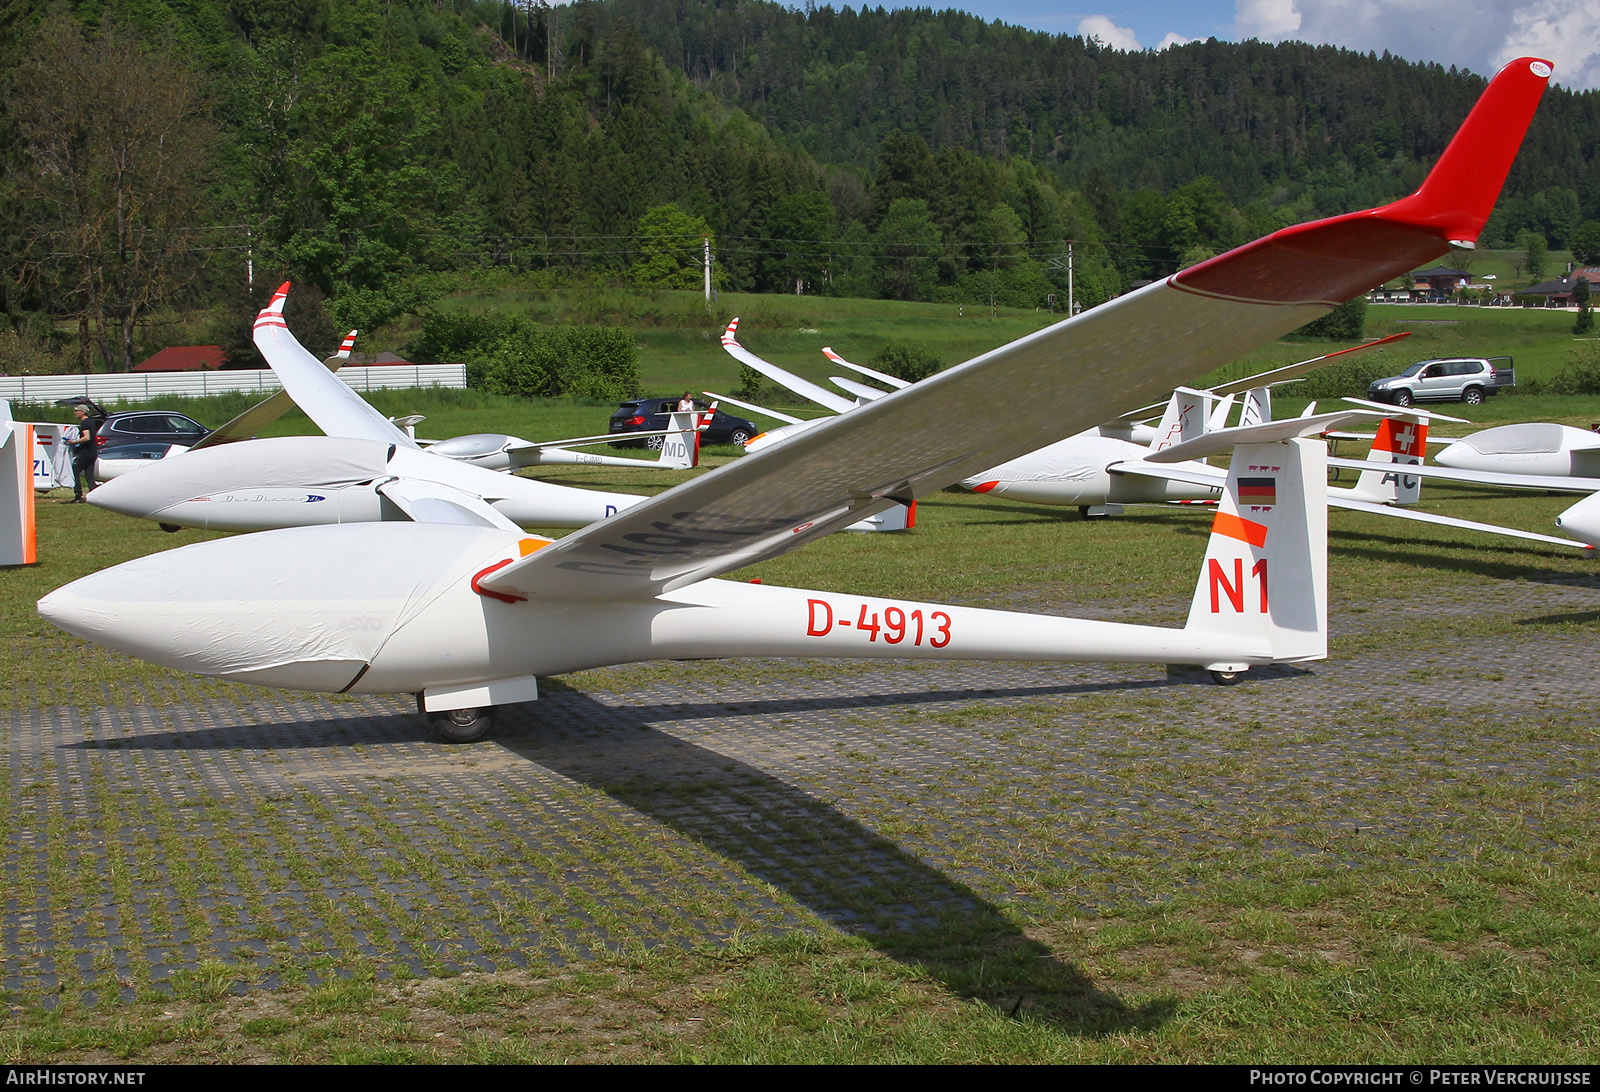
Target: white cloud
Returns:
[1568, 39]
[1103, 30]
[1268, 20]
[1479, 35]
[1172, 40]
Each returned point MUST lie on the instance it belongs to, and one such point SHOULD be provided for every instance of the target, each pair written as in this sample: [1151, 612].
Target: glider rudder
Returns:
[1264, 580]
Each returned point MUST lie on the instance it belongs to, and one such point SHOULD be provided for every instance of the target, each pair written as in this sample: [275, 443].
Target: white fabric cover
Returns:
[308, 596]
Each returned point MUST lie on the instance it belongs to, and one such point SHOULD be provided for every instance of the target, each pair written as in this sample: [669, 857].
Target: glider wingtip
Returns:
[1459, 193]
[274, 306]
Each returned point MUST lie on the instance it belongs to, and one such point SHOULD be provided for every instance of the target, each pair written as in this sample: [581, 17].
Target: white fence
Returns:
[152, 385]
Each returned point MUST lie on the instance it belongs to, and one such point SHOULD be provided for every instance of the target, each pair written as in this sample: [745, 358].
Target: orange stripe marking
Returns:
[1244, 530]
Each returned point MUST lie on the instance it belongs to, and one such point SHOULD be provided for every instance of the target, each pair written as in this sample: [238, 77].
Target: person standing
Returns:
[84, 451]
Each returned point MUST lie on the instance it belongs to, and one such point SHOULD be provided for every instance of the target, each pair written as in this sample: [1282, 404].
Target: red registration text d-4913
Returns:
[894, 625]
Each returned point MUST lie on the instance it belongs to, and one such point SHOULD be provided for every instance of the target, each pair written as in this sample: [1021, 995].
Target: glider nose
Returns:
[270, 608]
[140, 494]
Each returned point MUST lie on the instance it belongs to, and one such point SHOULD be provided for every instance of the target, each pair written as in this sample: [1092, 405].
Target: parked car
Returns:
[1456, 379]
[650, 415]
[116, 459]
[141, 426]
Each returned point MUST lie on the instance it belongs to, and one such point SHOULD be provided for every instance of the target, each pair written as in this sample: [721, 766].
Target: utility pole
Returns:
[1058, 263]
[1072, 307]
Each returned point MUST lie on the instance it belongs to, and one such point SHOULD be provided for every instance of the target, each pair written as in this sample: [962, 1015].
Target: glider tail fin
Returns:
[680, 448]
[1263, 586]
[1184, 419]
[1257, 406]
[1399, 440]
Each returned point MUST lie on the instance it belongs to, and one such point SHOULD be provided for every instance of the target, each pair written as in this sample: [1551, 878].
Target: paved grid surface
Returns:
[292, 838]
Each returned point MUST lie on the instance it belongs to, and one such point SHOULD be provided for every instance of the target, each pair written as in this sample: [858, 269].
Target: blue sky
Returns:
[1479, 35]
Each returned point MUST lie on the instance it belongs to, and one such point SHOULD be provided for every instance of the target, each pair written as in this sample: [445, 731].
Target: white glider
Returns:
[466, 614]
[679, 448]
[1545, 449]
[1100, 470]
[364, 469]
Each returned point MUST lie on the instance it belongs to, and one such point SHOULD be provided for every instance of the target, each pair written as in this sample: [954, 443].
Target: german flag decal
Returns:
[1258, 491]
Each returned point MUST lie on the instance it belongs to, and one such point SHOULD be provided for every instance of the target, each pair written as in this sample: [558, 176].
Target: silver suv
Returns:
[1455, 379]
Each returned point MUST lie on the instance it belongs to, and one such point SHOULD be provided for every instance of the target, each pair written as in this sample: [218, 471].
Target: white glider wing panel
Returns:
[892, 380]
[325, 398]
[431, 502]
[822, 396]
[1337, 499]
[1549, 483]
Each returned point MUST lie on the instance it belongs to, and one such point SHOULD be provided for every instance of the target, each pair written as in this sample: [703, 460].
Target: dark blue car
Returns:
[650, 415]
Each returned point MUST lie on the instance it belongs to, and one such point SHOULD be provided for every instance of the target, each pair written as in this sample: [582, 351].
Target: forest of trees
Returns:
[166, 164]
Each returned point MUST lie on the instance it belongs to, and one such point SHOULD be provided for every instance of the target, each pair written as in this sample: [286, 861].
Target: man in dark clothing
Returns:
[84, 452]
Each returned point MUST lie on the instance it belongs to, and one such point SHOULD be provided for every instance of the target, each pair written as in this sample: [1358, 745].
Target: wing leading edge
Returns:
[1058, 381]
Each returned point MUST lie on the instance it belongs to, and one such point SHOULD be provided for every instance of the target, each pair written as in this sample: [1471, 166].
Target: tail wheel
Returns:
[1225, 678]
[461, 725]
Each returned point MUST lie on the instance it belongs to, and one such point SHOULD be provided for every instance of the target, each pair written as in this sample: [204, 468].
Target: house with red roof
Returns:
[186, 358]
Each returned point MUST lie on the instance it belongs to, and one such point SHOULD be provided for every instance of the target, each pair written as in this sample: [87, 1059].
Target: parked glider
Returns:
[679, 449]
[1545, 449]
[365, 469]
[1581, 522]
[1387, 484]
[466, 614]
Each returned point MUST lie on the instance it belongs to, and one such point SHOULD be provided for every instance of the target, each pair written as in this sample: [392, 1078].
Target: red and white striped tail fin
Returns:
[1264, 582]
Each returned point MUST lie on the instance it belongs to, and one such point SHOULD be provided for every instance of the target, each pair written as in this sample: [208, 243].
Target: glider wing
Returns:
[1058, 381]
[325, 398]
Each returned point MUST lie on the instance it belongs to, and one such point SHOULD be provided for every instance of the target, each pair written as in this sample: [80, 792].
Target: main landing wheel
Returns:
[462, 725]
[1225, 678]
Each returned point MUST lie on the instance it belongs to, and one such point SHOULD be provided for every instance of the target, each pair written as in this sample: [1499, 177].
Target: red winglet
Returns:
[481, 590]
[1330, 261]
